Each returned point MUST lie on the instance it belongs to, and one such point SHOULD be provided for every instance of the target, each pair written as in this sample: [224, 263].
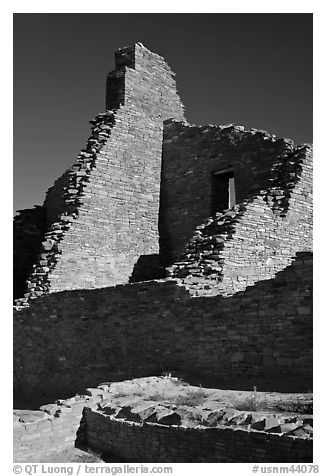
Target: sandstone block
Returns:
[28, 416]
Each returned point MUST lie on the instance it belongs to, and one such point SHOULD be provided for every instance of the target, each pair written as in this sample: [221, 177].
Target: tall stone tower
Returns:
[101, 216]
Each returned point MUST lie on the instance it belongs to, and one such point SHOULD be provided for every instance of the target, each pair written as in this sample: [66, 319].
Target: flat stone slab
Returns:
[144, 411]
[28, 416]
[168, 417]
[272, 425]
[214, 417]
[50, 408]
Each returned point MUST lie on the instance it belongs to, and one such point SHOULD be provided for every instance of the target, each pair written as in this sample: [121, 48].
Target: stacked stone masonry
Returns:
[133, 434]
[102, 214]
[263, 166]
[258, 337]
[39, 435]
[133, 199]
[29, 230]
[125, 270]
[154, 443]
[252, 241]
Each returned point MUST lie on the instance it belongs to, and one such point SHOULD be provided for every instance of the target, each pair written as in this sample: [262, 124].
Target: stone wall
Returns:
[236, 309]
[154, 443]
[263, 166]
[39, 435]
[102, 214]
[28, 233]
[153, 433]
[257, 238]
[126, 209]
[260, 337]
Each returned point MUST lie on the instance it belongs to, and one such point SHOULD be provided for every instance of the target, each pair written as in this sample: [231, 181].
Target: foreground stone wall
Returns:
[150, 442]
[150, 432]
[39, 435]
[262, 336]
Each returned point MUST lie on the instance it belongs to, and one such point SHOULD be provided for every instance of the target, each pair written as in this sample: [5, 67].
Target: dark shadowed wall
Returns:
[75, 339]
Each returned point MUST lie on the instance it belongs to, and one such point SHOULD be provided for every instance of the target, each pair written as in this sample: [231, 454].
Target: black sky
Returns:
[250, 69]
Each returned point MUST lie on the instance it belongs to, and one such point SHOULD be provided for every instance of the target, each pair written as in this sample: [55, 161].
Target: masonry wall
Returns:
[38, 440]
[257, 238]
[40, 435]
[263, 336]
[28, 233]
[191, 154]
[116, 217]
[153, 443]
[102, 214]
[53, 430]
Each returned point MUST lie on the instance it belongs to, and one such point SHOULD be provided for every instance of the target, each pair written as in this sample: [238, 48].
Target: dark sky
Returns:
[250, 69]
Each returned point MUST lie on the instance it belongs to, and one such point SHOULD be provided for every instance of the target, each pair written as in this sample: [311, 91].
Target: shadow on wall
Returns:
[148, 267]
[28, 233]
[70, 340]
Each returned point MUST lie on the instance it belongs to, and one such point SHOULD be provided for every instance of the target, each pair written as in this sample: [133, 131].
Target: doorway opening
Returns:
[223, 191]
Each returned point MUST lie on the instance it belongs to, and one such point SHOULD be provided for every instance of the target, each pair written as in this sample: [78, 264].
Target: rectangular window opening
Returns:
[223, 191]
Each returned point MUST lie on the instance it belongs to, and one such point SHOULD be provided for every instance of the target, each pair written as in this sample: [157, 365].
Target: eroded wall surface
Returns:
[260, 337]
[154, 433]
[40, 435]
[28, 233]
[264, 167]
[102, 214]
[261, 234]
[149, 443]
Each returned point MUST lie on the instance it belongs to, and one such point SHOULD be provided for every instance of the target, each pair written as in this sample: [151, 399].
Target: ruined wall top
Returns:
[134, 205]
[143, 79]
